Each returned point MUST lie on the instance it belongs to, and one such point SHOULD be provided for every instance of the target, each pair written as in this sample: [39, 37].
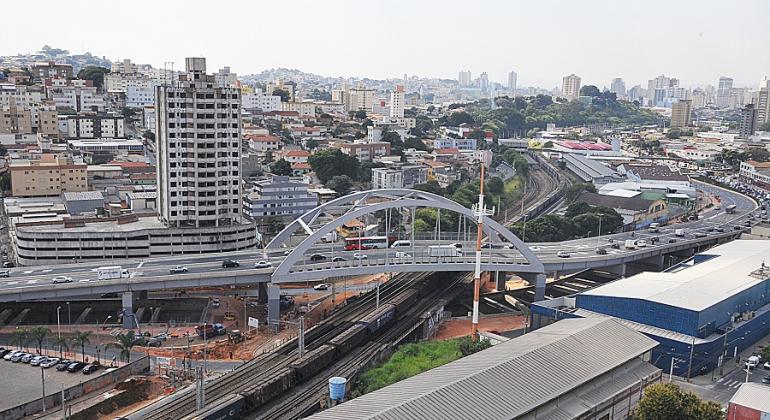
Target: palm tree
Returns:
[20, 337]
[63, 343]
[82, 338]
[125, 342]
[38, 334]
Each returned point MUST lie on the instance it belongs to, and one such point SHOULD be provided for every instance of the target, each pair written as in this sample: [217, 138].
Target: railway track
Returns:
[304, 399]
[265, 365]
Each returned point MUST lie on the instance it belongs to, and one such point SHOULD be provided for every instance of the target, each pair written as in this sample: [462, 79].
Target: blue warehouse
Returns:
[702, 312]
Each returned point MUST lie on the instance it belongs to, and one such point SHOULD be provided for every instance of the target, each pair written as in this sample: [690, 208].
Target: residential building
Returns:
[748, 123]
[78, 95]
[618, 87]
[584, 381]
[125, 66]
[279, 84]
[262, 101]
[755, 173]
[570, 86]
[763, 102]
[466, 144]
[48, 120]
[306, 109]
[364, 151]
[46, 70]
[512, 81]
[93, 126]
[15, 120]
[464, 78]
[723, 91]
[397, 102]
[637, 212]
[399, 176]
[360, 99]
[483, 82]
[225, 78]
[263, 143]
[681, 111]
[51, 175]
[702, 311]
[279, 196]
[374, 132]
[751, 402]
[140, 97]
[294, 156]
[107, 145]
[198, 150]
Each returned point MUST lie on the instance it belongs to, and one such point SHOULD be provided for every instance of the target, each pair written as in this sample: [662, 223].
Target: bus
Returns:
[368, 242]
[730, 209]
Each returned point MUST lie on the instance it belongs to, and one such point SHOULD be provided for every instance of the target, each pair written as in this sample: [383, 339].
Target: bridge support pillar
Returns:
[539, 281]
[262, 292]
[274, 306]
[142, 295]
[499, 277]
[619, 269]
[129, 319]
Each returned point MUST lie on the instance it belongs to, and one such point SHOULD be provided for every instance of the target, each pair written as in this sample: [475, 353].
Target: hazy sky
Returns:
[543, 40]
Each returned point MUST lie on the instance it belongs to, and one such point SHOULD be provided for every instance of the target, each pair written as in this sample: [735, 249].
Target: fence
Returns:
[101, 381]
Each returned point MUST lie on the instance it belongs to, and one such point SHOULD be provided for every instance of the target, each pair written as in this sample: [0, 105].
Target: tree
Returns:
[573, 191]
[331, 162]
[340, 183]
[94, 74]
[282, 167]
[576, 209]
[128, 113]
[431, 187]
[283, 93]
[764, 127]
[311, 144]
[548, 144]
[149, 135]
[365, 170]
[38, 334]
[124, 343]
[666, 401]
[495, 186]
[766, 353]
[468, 346]
[360, 115]
[590, 90]
[5, 181]
[674, 133]
[62, 343]
[20, 337]
[268, 157]
[82, 338]
[458, 118]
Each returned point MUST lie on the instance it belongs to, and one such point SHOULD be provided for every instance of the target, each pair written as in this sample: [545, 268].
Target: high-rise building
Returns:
[483, 82]
[723, 91]
[748, 124]
[198, 128]
[512, 80]
[636, 93]
[464, 78]
[763, 102]
[397, 102]
[658, 89]
[570, 86]
[680, 113]
[618, 87]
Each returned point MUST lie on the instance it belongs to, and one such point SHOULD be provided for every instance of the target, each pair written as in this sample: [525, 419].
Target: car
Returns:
[747, 224]
[322, 286]
[9, 356]
[75, 366]
[153, 342]
[766, 380]
[3, 352]
[601, 251]
[178, 270]
[654, 240]
[563, 254]
[64, 364]
[230, 264]
[737, 227]
[340, 259]
[457, 245]
[89, 369]
[27, 358]
[18, 356]
[359, 256]
[766, 365]
[719, 229]
[215, 303]
[403, 255]
[50, 362]
[35, 361]
[108, 370]
[710, 229]
[699, 235]
[615, 245]
[263, 264]
[5, 273]
[62, 279]
[641, 243]
[317, 257]
[672, 240]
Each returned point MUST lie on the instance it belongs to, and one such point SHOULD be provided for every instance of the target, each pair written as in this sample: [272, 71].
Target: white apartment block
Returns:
[570, 86]
[404, 176]
[263, 101]
[397, 102]
[198, 150]
[225, 78]
[119, 82]
[137, 97]
[92, 126]
[78, 98]
[279, 196]
[305, 109]
[450, 142]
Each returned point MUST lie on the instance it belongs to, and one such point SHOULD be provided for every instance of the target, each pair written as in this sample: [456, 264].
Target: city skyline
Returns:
[682, 51]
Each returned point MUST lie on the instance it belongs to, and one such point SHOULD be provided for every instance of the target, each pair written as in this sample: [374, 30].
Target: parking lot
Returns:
[23, 383]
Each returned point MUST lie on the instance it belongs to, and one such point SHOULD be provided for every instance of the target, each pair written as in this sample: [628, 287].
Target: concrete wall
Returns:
[137, 367]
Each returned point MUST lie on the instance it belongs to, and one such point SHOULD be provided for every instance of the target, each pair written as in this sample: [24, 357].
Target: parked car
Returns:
[601, 251]
[719, 229]
[615, 245]
[699, 234]
[317, 257]
[50, 362]
[75, 366]
[359, 256]
[178, 270]
[27, 358]
[766, 365]
[672, 240]
[766, 380]
[35, 361]
[5, 273]
[62, 279]
[11, 354]
[63, 365]
[263, 264]
[563, 254]
[18, 356]
[322, 286]
[215, 303]
[89, 369]
[340, 259]
[230, 264]
[737, 227]
[641, 243]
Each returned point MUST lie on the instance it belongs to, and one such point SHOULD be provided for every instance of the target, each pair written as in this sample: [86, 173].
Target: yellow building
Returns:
[49, 176]
[15, 120]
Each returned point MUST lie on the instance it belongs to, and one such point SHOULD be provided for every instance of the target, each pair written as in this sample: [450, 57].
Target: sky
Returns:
[696, 41]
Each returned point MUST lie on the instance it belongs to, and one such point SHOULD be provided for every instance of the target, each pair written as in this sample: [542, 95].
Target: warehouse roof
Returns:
[507, 380]
[753, 395]
[700, 286]
[82, 195]
[615, 202]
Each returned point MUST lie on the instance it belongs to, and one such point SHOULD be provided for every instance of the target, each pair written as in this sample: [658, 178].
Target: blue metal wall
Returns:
[651, 313]
[748, 300]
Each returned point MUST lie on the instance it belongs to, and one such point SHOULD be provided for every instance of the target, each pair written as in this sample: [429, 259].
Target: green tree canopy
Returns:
[342, 184]
[590, 90]
[666, 401]
[573, 191]
[94, 74]
[283, 93]
[331, 162]
[282, 167]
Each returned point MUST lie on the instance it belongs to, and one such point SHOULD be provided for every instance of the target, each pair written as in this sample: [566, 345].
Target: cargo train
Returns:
[312, 362]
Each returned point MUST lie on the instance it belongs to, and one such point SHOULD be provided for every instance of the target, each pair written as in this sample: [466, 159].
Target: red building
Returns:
[751, 402]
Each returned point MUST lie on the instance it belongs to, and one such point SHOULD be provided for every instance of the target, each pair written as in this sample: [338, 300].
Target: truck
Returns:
[111, 272]
[630, 244]
[679, 233]
[210, 330]
[444, 251]
[329, 237]
[654, 227]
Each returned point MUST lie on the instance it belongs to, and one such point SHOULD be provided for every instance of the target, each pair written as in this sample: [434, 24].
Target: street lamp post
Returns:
[599, 233]
[69, 314]
[58, 323]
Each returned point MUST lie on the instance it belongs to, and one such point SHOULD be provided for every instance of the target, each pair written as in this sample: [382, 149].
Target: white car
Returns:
[766, 365]
[50, 362]
[322, 286]
[359, 256]
[641, 243]
[563, 254]
[62, 279]
[37, 360]
[263, 264]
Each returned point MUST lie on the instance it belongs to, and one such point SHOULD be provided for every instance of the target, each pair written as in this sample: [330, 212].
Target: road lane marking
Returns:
[31, 281]
[28, 272]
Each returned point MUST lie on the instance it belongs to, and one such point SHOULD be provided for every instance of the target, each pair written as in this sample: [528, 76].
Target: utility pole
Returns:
[301, 338]
[42, 377]
[689, 364]
[479, 211]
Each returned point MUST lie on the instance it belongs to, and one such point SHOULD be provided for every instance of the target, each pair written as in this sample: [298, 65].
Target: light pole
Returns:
[58, 323]
[105, 320]
[524, 231]
[599, 233]
[69, 314]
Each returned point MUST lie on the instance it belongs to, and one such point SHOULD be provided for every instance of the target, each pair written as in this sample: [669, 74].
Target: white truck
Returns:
[329, 237]
[444, 251]
[111, 273]
[679, 233]
[630, 244]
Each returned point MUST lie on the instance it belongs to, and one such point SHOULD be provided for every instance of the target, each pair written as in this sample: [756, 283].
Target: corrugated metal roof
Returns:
[507, 380]
[753, 395]
[644, 328]
[700, 286]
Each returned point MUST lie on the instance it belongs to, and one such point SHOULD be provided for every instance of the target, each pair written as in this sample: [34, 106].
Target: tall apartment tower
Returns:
[618, 87]
[763, 102]
[723, 91]
[570, 86]
[464, 78]
[748, 121]
[397, 102]
[483, 82]
[512, 80]
[198, 128]
[680, 113]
